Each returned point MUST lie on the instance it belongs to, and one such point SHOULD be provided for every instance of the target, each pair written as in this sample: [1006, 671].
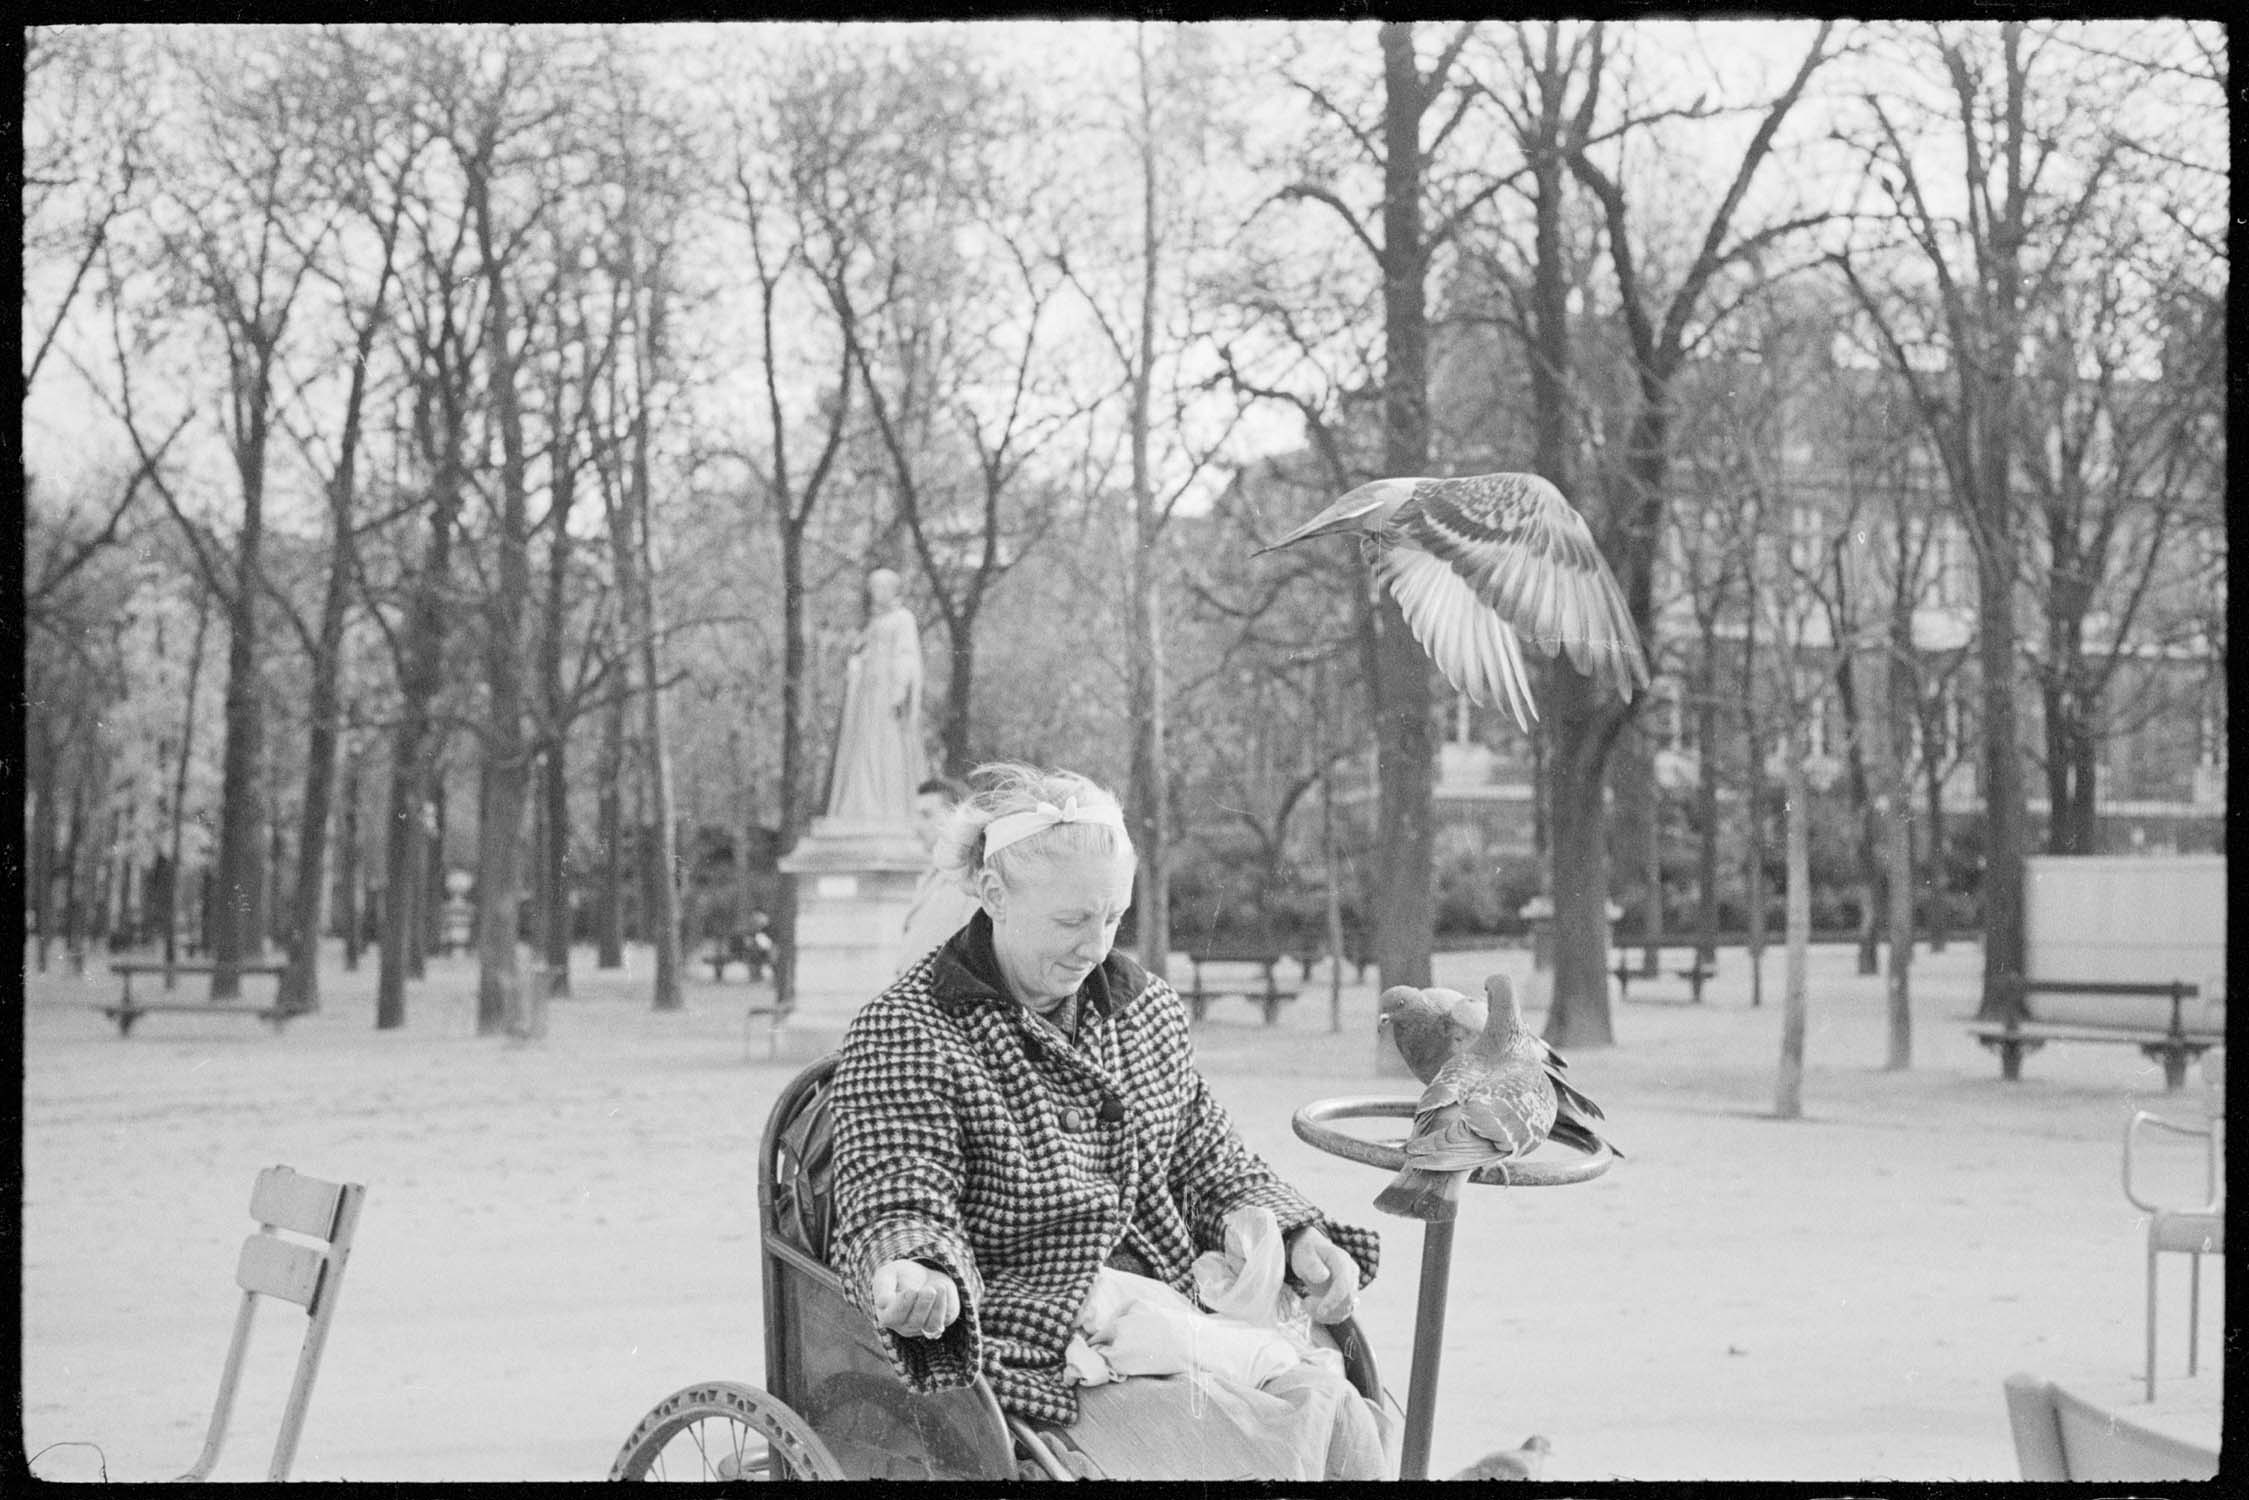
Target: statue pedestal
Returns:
[854, 883]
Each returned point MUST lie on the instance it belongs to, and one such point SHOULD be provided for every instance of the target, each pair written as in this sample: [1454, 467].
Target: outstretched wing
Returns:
[1523, 551]
[1472, 646]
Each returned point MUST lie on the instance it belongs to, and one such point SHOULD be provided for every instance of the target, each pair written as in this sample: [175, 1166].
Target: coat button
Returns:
[1073, 1119]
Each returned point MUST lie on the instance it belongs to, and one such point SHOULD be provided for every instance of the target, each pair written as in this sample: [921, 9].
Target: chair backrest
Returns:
[2061, 1436]
[285, 1202]
[822, 1356]
[798, 1163]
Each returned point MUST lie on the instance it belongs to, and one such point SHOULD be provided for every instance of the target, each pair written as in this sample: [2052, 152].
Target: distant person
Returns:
[941, 907]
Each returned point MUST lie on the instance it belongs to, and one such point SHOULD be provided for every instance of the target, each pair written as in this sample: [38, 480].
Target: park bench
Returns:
[1265, 990]
[2116, 1012]
[1356, 952]
[1696, 973]
[753, 951]
[127, 1010]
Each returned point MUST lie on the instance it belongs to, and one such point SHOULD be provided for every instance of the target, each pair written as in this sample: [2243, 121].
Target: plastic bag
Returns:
[1133, 1325]
[1248, 1280]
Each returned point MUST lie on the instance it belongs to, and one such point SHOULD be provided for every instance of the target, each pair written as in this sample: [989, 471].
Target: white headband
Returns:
[1005, 830]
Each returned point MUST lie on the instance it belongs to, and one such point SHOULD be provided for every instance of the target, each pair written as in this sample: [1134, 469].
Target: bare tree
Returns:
[1583, 722]
[372, 163]
[788, 162]
[1987, 276]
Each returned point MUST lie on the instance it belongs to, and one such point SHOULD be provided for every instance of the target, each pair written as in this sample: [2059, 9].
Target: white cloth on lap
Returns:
[1135, 1325]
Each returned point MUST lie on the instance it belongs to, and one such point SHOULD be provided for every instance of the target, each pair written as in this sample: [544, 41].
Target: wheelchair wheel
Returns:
[721, 1430]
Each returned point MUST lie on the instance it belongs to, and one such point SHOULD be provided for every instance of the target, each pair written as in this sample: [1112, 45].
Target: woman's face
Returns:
[1059, 922]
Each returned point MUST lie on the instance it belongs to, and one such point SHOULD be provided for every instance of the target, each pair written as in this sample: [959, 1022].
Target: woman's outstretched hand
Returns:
[921, 1302]
[1330, 1276]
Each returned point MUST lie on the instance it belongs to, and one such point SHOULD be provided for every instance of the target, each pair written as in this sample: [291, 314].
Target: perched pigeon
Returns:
[1510, 1463]
[1494, 1102]
[1429, 1027]
[1482, 564]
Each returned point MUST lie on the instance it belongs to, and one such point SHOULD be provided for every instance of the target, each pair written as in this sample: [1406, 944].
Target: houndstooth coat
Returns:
[968, 1134]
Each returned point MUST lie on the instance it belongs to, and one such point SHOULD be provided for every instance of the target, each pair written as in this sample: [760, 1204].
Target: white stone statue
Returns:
[879, 759]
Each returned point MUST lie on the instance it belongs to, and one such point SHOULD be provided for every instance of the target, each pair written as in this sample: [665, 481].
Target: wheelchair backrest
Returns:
[803, 1168]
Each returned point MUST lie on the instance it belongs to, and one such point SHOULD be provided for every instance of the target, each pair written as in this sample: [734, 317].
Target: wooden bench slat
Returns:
[2166, 989]
[288, 1199]
[194, 966]
[274, 1267]
[193, 1008]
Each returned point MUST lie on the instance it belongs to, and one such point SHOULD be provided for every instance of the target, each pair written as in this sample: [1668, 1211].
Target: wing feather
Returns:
[1519, 548]
[1475, 649]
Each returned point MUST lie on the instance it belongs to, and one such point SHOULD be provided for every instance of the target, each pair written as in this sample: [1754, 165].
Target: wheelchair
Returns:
[832, 1406]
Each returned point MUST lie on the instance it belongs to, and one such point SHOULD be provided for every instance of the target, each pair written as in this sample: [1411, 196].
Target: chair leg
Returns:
[2151, 1263]
[2194, 1308]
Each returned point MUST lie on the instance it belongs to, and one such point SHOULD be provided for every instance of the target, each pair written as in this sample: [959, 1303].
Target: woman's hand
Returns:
[920, 1301]
[1330, 1276]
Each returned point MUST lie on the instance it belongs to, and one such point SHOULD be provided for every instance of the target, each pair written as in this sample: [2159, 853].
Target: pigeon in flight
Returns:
[1482, 564]
[1494, 1102]
[1429, 1027]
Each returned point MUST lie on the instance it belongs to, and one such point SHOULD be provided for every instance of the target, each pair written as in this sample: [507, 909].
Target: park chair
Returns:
[2192, 1230]
[2061, 1436]
[310, 1275]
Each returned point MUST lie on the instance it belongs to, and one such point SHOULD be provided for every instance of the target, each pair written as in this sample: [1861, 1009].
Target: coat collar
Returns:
[966, 973]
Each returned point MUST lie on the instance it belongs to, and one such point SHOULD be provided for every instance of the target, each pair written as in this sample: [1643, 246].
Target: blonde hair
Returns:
[1004, 787]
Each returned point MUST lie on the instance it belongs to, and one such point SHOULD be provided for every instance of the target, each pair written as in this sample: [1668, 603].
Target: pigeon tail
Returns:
[1578, 1137]
[1433, 1197]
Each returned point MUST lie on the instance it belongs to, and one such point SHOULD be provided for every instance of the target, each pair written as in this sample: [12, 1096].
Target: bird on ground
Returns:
[1525, 1462]
[1494, 1102]
[1429, 1026]
[1480, 565]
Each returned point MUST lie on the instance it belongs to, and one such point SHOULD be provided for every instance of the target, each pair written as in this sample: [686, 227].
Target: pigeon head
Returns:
[1506, 1016]
[1363, 509]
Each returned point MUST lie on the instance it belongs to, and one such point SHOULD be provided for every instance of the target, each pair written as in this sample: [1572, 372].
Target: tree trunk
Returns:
[44, 772]
[1405, 742]
[1754, 845]
[1584, 725]
[430, 884]
[265, 913]
[300, 980]
[1706, 807]
[2004, 815]
[609, 826]
[234, 929]
[1647, 820]
[1788, 1092]
[2072, 761]
[1151, 774]
[1897, 810]
[175, 835]
[507, 749]
[348, 901]
[72, 938]
[664, 916]
[663, 886]
[551, 881]
[406, 849]
[1939, 876]
[1867, 844]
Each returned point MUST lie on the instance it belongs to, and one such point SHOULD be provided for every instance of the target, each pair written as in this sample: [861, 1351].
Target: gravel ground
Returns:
[560, 1232]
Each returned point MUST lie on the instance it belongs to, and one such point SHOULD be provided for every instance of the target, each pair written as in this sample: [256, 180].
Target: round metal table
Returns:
[1311, 1126]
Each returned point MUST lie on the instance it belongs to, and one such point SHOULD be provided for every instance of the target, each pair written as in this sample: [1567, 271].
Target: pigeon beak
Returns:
[1372, 501]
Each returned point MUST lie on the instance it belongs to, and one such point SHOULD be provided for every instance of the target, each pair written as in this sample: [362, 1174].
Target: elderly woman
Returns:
[1021, 1109]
